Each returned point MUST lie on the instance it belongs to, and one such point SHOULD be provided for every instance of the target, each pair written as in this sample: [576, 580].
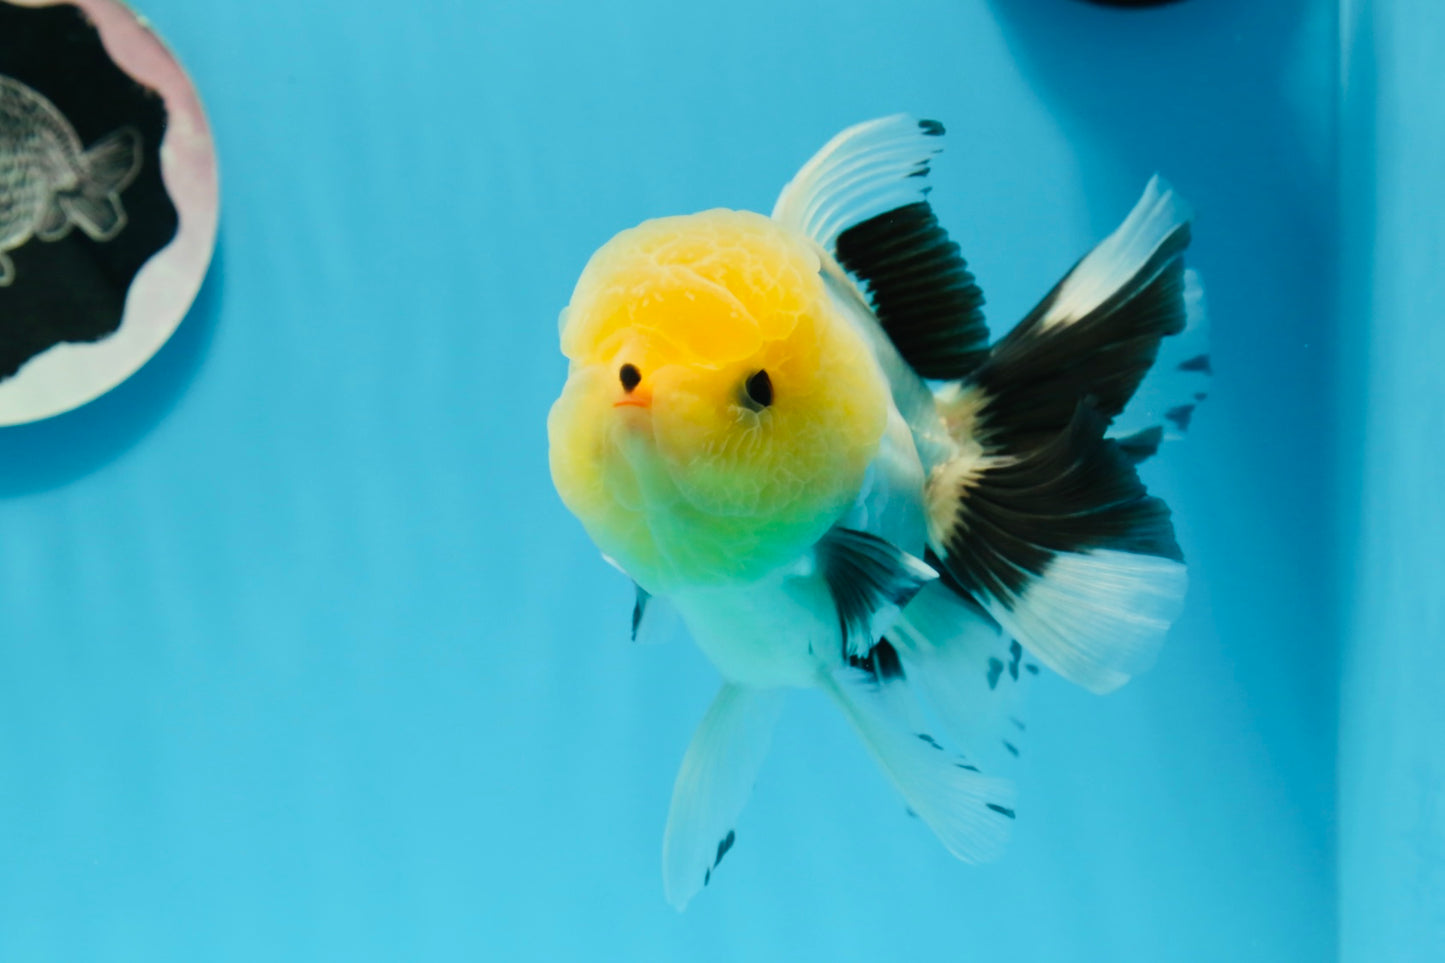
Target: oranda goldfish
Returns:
[794, 430]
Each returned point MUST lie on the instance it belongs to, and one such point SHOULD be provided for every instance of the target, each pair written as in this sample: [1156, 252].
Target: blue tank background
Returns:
[303, 660]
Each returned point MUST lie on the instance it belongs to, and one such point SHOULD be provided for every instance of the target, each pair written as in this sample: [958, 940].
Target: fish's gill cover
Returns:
[718, 487]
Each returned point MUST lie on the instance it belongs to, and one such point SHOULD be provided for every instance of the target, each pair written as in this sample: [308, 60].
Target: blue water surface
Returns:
[303, 659]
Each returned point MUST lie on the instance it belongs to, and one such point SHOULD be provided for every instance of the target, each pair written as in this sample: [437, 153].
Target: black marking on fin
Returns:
[1019, 723]
[1001, 810]
[1013, 749]
[931, 127]
[724, 844]
[706, 877]
[1015, 652]
[930, 740]
[1199, 362]
[1031, 668]
[1180, 416]
[883, 662]
[1038, 374]
[1200, 395]
[865, 573]
[964, 765]
[1141, 445]
[995, 669]
[638, 608]
[920, 288]
[1074, 492]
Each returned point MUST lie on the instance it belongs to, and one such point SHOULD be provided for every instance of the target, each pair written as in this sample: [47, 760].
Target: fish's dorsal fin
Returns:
[864, 199]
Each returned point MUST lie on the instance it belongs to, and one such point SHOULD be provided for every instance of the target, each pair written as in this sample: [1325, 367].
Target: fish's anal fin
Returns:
[869, 580]
[972, 673]
[971, 813]
[713, 785]
[864, 199]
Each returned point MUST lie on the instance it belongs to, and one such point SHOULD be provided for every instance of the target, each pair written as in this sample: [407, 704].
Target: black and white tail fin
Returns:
[1040, 518]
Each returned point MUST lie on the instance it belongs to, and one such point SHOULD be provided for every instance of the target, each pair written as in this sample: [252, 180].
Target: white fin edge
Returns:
[713, 785]
[1099, 617]
[867, 169]
[1111, 265]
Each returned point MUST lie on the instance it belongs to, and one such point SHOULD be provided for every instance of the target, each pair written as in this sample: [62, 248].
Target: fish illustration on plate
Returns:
[49, 182]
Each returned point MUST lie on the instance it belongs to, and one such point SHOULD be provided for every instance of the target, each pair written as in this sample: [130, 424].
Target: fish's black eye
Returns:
[630, 377]
[759, 389]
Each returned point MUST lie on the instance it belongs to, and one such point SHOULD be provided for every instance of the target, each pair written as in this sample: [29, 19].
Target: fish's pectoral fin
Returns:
[54, 223]
[864, 199]
[7, 270]
[713, 785]
[867, 577]
[971, 813]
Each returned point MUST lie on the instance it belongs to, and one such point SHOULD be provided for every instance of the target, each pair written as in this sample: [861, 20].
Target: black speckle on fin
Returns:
[1016, 652]
[1001, 810]
[1181, 416]
[995, 669]
[1199, 362]
[920, 287]
[931, 127]
[638, 608]
[864, 574]
[724, 844]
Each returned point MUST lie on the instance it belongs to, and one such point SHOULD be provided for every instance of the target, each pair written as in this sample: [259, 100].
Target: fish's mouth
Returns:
[637, 398]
